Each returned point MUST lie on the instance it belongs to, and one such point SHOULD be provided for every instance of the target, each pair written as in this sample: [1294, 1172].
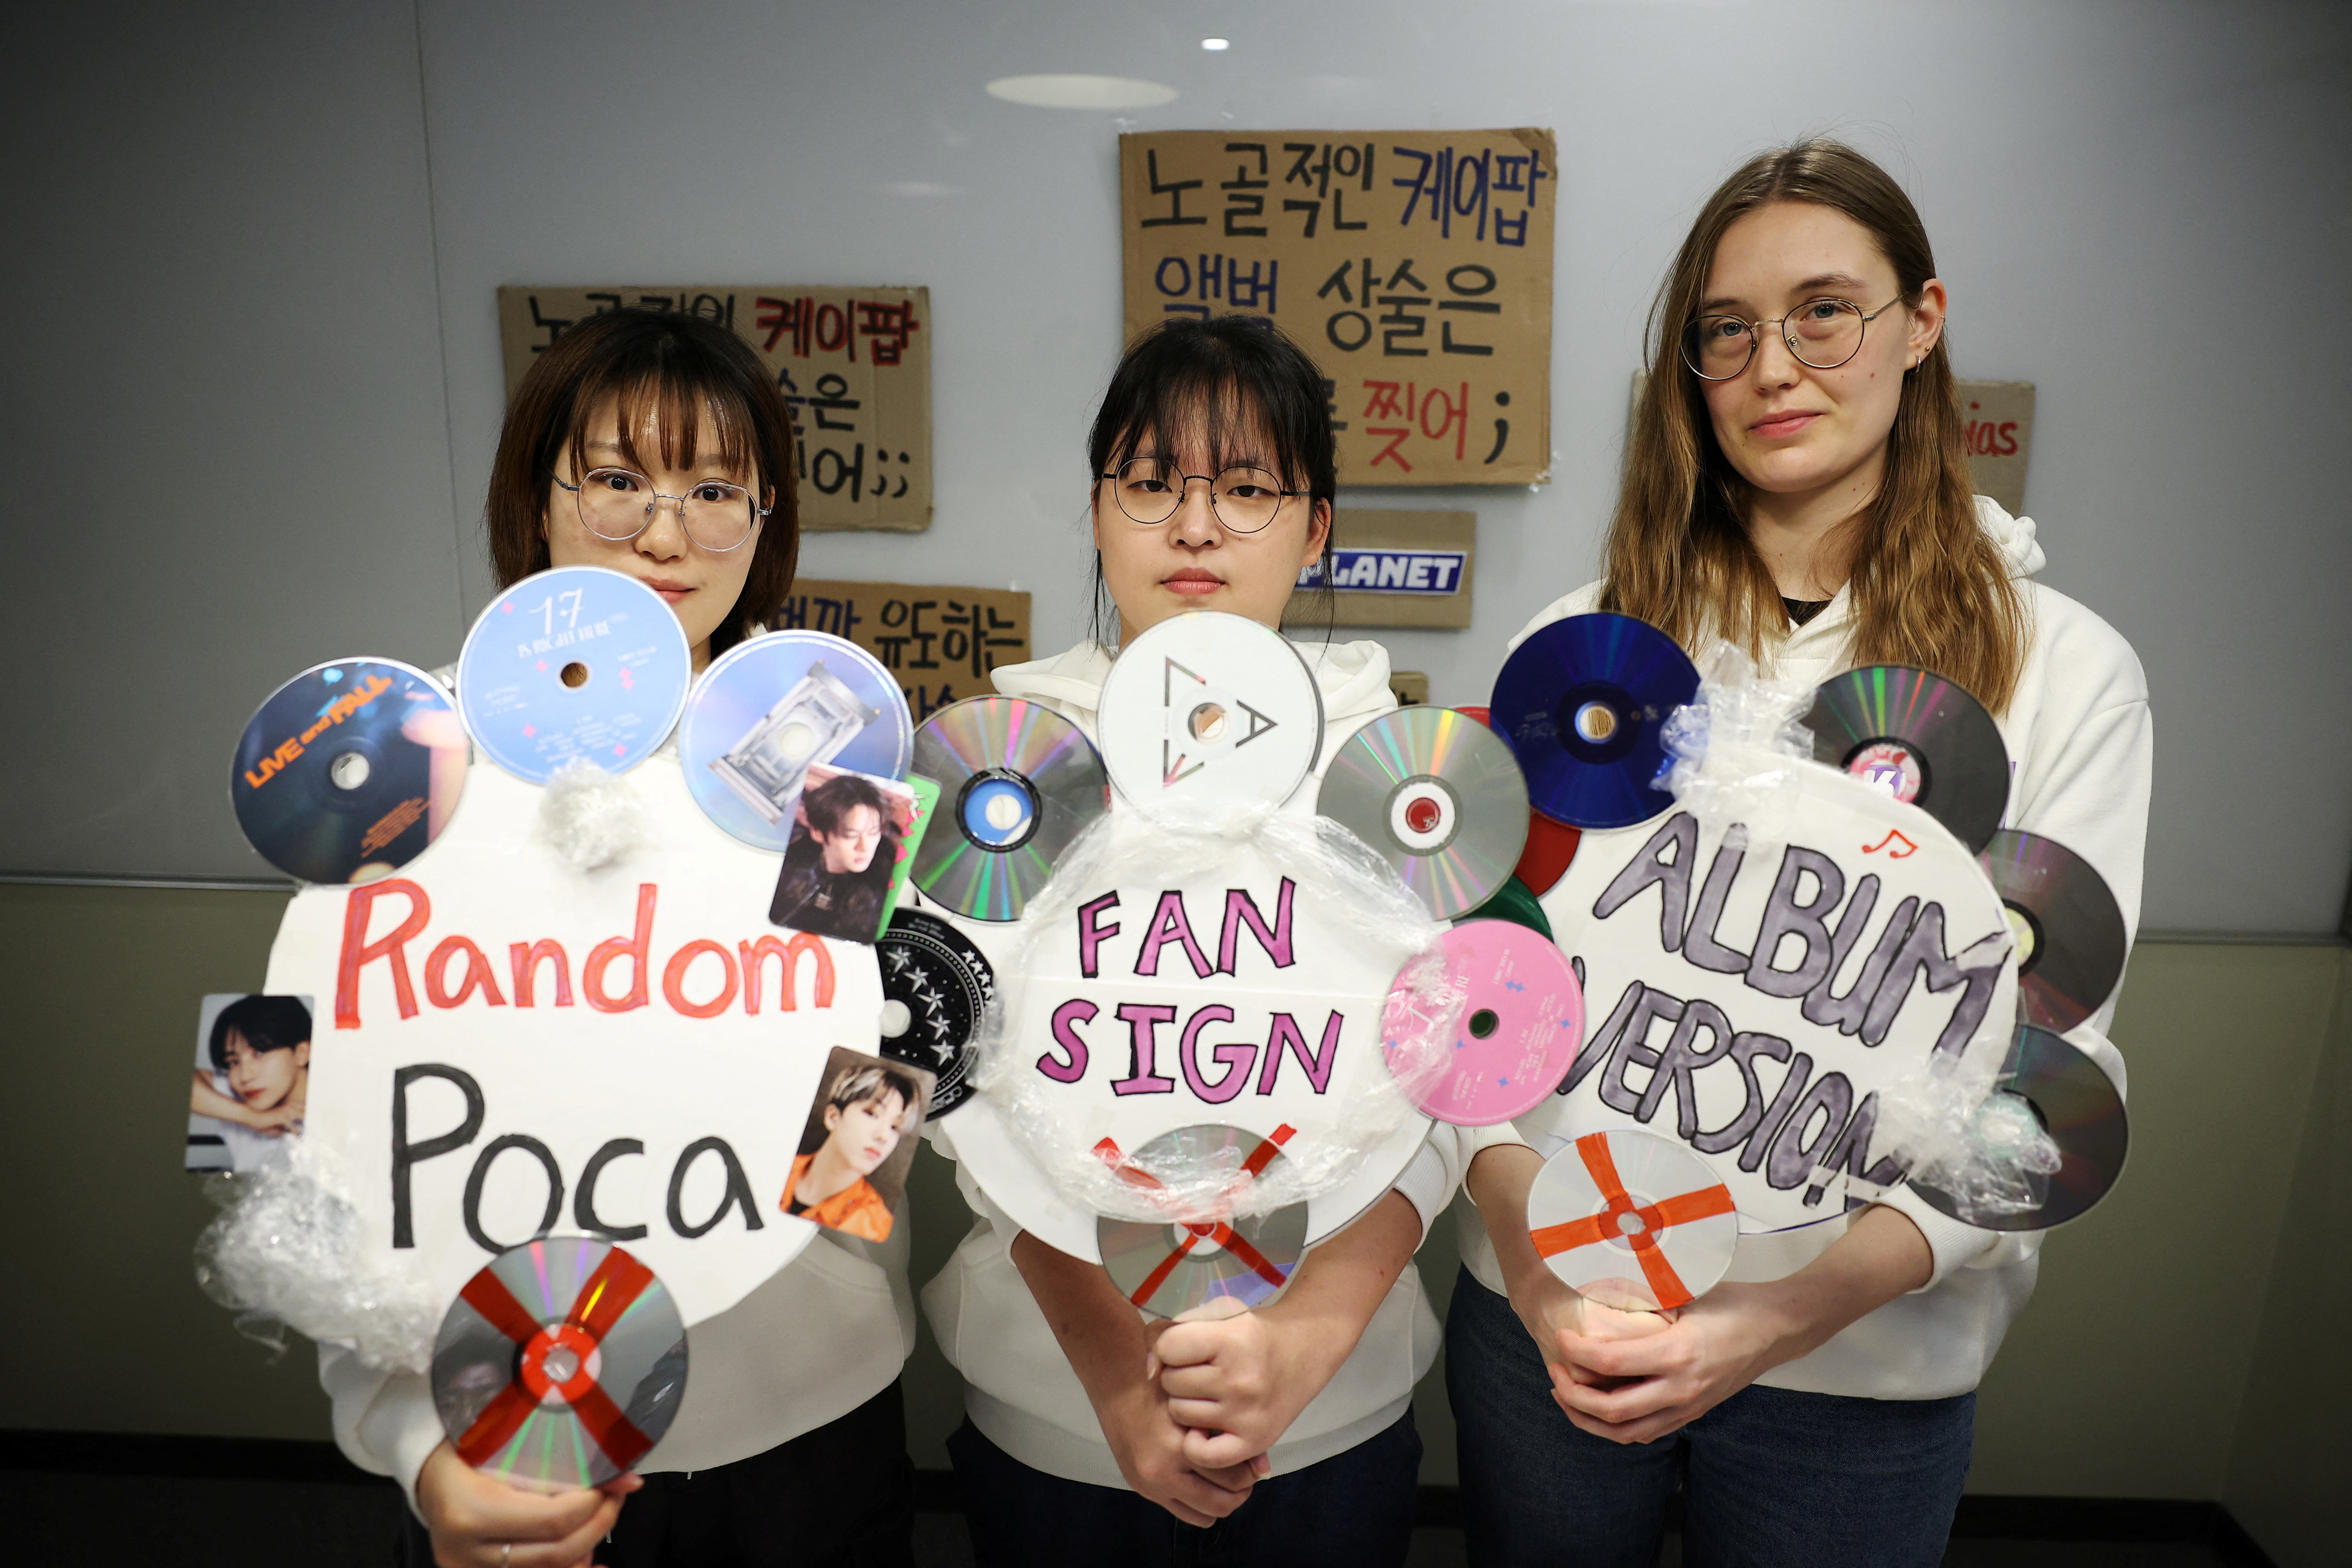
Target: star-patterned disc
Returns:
[936, 986]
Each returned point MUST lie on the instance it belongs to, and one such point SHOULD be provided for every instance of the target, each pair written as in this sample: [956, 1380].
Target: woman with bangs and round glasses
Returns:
[657, 445]
[1797, 484]
[1284, 1434]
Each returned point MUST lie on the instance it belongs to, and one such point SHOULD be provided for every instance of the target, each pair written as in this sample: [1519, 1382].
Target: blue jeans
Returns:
[1769, 1477]
[1352, 1511]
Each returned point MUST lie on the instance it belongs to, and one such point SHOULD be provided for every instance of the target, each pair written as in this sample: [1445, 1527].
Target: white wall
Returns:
[2138, 208]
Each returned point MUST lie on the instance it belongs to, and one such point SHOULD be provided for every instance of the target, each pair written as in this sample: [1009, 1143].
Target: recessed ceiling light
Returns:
[1215, 44]
[1081, 91]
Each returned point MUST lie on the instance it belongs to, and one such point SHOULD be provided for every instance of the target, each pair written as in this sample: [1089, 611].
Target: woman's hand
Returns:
[479, 1521]
[1153, 1454]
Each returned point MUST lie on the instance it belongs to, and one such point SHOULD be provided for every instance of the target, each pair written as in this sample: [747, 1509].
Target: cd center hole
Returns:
[1483, 1022]
[574, 674]
[561, 1365]
[1629, 1224]
[1207, 721]
[348, 770]
[1596, 722]
[897, 1019]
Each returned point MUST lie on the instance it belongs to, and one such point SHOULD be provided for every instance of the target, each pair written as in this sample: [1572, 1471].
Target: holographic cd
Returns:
[769, 709]
[1017, 782]
[1921, 739]
[2070, 931]
[1438, 797]
[558, 1365]
[1522, 1022]
[1581, 702]
[935, 986]
[1632, 1220]
[574, 664]
[2078, 1105]
[348, 770]
[1168, 1268]
[1208, 711]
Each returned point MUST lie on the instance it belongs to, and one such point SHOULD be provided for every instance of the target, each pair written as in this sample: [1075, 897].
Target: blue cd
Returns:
[1582, 701]
[574, 664]
[772, 708]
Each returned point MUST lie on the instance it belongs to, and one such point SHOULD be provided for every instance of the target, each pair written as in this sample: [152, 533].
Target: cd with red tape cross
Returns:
[559, 1365]
[1203, 1252]
[1633, 1221]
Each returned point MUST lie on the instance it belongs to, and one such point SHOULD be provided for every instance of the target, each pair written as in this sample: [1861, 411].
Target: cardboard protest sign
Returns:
[1999, 434]
[1752, 1003]
[507, 1046]
[941, 642]
[855, 365]
[1399, 568]
[1413, 266]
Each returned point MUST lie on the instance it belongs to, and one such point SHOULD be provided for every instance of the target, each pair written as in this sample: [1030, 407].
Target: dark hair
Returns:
[1232, 380]
[826, 804]
[268, 1024]
[872, 1080]
[672, 367]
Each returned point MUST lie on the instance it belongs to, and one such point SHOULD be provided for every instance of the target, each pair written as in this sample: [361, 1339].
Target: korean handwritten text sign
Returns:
[1416, 266]
[940, 642]
[853, 365]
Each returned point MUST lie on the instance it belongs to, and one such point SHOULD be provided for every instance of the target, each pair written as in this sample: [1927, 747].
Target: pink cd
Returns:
[1521, 1024]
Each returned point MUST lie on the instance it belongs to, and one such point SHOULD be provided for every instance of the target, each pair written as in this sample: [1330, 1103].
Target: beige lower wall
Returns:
[2159, 1359]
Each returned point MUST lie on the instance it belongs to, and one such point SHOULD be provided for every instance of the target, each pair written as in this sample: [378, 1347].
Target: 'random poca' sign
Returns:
[1753, 1003]
[507, 1046]
[1223, 995]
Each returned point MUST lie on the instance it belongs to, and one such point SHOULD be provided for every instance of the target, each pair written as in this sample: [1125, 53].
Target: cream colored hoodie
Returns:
[2081, 750]
[1019, 1389]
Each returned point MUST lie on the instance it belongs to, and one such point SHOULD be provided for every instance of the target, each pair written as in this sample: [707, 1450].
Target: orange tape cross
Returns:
[1681, 1209]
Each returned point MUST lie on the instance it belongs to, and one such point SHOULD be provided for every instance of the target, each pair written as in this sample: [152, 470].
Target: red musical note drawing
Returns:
[1908, 848]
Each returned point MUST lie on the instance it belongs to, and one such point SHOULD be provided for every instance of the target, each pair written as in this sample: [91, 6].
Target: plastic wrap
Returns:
[1981, 1147]
[1732, 754]
[1348, 886]
[591, 816]
[286, 1250]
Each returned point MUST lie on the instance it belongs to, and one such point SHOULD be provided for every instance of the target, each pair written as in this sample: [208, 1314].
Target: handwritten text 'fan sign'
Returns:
[1752, 1003]
[1228, 998]
[508, 1047]
[1414, 266]
[853, 365]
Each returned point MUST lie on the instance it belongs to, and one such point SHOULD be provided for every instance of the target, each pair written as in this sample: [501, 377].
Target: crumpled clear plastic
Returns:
[1956, 1131]
[591, 816]
[1733, 753]
[284, 1252]
[1346, 884]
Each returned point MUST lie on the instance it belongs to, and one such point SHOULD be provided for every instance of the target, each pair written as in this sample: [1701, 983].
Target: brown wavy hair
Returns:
[1929, 589]
[670, 367]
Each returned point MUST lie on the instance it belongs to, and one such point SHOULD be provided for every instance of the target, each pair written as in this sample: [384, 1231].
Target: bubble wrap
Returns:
[591, 816]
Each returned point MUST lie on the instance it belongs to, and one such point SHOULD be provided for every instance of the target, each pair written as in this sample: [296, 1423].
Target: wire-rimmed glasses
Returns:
[1822, 333]
[618, 504]
[1150, 490]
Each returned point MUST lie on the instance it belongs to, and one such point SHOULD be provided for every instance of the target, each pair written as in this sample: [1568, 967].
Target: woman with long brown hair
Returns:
[1797, 484]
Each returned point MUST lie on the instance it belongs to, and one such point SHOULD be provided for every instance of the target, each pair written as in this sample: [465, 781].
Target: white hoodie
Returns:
[2081, 750]
[1019, 1389]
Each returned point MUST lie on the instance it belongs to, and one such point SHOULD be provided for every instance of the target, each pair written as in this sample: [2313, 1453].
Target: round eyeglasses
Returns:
[618, 504]
[1822, 333]
[1150, 490]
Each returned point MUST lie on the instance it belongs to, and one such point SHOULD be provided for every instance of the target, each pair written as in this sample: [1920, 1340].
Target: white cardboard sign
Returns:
[1752, 1001]
[506, 1045]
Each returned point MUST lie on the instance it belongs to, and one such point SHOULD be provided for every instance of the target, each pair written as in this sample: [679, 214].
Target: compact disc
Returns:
[1632, 1220]
[558, 1365]
[1438, 797]
[1169, 1267]
[1017, 782]
[935, 988]
[1513, 902]
[769, 709]
[2070, 931]
[348, 770]
[2079, 1106]
[1919, 738]
[1209, 711]
[1522, 1019]
[574, 664]
[1551, 849]
[1581, 702]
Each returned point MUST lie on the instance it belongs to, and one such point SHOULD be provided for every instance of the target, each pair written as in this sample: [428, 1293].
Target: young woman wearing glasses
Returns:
[1797, 483]
[657, 445]
[1283, 1435]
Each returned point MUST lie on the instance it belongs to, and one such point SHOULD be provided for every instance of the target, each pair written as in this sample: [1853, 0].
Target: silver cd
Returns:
[1632, 1220]
[1209, 711]
[1018, 783]
[559, 1365]
[1439, 796]
[1205, 1251]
